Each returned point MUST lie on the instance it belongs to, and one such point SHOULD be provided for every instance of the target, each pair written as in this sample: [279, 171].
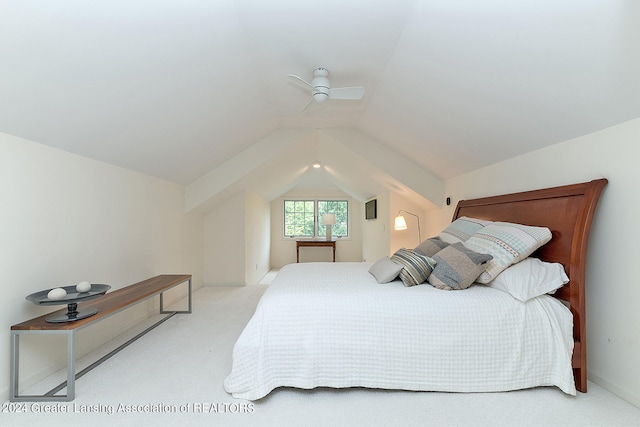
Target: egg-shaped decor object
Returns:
[56, 293]
[83, 287]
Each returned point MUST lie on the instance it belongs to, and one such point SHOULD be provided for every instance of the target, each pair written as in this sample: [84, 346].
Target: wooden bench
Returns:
[108, 304]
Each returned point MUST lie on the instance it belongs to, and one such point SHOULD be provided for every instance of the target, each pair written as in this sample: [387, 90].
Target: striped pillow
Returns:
[462, 229]
[416, 268]
[508, 244]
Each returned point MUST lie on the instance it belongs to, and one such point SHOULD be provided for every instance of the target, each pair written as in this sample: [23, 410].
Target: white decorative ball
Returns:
[56, 293]
[83, 287]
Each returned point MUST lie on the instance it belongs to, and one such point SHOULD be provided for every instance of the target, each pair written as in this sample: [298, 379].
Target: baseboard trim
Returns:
[622, 393]
[225, 284]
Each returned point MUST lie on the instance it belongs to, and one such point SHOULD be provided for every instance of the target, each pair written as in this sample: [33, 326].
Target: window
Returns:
[303, 218]
[299, 218]
[341, 209]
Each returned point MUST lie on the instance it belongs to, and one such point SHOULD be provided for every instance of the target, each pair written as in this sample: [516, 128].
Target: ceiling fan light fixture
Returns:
[320, 97]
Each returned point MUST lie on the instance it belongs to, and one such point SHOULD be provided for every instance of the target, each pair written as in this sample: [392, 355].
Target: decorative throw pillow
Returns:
[415, 267]
[385, 270]
[530, 278]
[508, 243]
[431, 246]
[457, 267]
[461, 229]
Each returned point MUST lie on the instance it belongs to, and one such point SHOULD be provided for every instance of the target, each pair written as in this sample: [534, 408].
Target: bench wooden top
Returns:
[107, 304]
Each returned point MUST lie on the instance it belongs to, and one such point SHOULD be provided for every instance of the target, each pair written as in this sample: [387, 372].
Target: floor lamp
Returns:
[401, 224]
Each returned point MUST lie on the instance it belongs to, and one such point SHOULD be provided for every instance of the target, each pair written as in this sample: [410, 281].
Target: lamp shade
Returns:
[328, 219]
[400, 223]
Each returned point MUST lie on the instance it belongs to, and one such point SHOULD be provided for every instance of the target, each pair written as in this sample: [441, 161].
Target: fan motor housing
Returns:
[320, 85]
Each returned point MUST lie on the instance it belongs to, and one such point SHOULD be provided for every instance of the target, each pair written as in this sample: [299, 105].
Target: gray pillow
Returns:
[385, 270]
[431, 246]
[457, 267]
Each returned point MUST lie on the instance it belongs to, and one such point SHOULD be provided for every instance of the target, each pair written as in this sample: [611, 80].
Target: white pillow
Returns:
[385, 270]
[530, 278]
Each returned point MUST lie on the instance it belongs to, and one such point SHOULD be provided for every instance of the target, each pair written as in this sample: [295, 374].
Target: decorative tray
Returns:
[40, 298]
[72, 299]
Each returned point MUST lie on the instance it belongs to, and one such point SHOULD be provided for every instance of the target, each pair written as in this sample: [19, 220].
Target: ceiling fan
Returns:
[321, 90]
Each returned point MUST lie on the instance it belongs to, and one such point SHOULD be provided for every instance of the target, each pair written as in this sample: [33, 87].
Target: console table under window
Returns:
[316, 243]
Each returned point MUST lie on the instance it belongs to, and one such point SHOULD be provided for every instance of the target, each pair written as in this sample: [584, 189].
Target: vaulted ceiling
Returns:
[184, 90]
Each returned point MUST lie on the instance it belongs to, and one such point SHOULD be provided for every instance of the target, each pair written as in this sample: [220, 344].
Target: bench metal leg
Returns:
[15, 366]
[163, 311]
[50, 396]
[71, 366]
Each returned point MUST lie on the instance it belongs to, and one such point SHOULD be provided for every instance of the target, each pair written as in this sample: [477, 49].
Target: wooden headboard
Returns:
[567, 211]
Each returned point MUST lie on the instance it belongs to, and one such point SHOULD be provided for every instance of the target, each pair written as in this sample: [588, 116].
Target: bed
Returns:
[334, 325]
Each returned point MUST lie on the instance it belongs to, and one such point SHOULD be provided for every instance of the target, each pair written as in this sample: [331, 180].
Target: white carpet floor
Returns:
[180, 366]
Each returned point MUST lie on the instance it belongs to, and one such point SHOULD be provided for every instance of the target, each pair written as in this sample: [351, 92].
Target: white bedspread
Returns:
[333, 325]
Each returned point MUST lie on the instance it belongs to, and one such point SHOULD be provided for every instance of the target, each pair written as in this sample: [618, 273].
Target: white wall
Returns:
[375, 232]
[283, 249]
[236, 241]
[257, 237]
[64, 219]
[224, 243]
[613, 291]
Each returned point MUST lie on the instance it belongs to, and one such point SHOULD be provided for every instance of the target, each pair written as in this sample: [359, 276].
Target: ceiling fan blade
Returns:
[356, 92]
[312, 106]
[300, 82]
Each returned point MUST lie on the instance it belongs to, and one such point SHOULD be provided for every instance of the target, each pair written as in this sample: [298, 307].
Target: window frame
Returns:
[303, 213]
[316, 216]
